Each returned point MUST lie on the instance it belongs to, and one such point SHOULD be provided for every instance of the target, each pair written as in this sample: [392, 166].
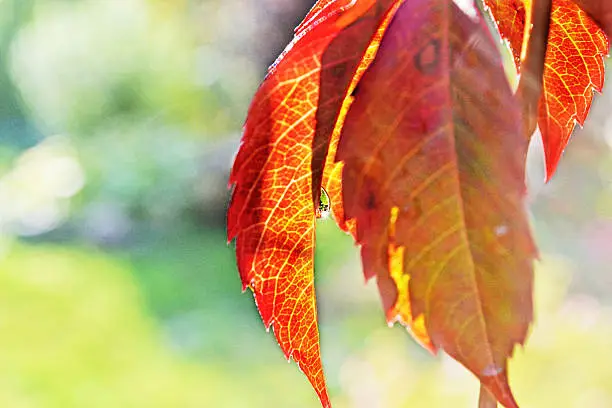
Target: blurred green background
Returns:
[118, 123]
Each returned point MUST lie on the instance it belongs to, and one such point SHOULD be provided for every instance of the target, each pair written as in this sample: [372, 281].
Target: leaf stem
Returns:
[535, 40]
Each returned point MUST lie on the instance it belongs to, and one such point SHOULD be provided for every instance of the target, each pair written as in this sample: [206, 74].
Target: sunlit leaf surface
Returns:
[436, 173]
[574, 67]
[397, 117]
[273, 204]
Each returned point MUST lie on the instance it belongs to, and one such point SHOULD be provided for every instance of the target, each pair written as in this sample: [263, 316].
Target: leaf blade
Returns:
[272, 210]
[571, 75]
[414, 153]
[600, 10]
[574, 67]
[273, 243]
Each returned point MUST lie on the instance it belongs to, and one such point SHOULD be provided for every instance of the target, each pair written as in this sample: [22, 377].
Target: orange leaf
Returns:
[331, 178]
[600, 10]
[433, 162]
[509, 15]
[321, 11]
[574, 67]
[272, 212]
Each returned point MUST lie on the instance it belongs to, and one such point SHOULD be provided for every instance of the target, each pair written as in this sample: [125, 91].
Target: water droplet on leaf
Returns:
[324, 205]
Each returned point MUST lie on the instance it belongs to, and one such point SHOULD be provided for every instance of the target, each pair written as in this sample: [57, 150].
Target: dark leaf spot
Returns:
[428, 58]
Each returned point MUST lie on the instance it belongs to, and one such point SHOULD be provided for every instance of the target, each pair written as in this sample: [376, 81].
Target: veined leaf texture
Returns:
[400, 114]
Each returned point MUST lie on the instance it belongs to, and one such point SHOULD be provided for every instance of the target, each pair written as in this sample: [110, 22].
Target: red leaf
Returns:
[574, 67]
[330, 117]
[434, 165]
[428, 175]
[322, 10]
[272, 212]
[600, 10]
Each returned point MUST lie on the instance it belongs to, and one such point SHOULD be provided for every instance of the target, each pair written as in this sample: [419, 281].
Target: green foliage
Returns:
[76, 333]
[81, 328]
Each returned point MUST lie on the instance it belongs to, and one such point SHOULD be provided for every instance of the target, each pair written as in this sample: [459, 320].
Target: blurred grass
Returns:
[84, 328]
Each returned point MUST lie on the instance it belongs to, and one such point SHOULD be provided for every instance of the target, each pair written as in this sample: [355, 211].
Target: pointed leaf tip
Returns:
[439, 180]
[574, 66]
[272, 213]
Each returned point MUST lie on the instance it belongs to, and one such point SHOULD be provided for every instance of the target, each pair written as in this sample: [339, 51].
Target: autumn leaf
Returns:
[574, 67]
[600, 11]
[400, 114]
[442, 160]
[272, 211]
[321, 11]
